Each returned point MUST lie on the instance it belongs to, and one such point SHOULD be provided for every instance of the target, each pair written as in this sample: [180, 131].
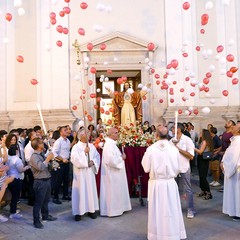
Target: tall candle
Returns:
[176, 121]
[41, 117]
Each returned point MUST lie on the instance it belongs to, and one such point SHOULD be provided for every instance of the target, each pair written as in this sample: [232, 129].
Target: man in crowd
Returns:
[185, 147]
[61, 151]
[231, 167]
[161, 161]
[42, 183]
[114, 195]
[85, 159]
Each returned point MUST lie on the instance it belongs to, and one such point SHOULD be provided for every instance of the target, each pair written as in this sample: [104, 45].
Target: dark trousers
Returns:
[42, 190]
[58, 177]
[15, 188]
[203, 166]
[27, 189]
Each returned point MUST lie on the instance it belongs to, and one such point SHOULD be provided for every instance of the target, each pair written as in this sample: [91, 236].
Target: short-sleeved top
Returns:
[226, 140]
[216, 144]
[15, 165]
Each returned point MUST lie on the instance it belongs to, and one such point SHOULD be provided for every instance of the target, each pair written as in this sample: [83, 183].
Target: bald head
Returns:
[113, 133]
[162, 132]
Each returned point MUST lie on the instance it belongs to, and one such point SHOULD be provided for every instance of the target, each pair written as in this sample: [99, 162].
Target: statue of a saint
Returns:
[127, 105]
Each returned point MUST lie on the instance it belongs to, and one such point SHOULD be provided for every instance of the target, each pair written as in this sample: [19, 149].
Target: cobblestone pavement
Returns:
[208, 224]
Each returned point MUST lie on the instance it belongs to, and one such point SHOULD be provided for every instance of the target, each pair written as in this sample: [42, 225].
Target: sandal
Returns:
[202, 193]
[207, 196]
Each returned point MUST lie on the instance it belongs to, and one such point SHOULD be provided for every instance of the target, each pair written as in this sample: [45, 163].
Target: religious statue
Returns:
[127, 105]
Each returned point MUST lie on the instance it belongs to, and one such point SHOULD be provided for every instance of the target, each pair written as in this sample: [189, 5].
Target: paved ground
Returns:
[209, 223]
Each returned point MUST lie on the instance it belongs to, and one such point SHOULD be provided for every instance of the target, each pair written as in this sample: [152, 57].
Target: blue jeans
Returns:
[42, 190]
[184, 184]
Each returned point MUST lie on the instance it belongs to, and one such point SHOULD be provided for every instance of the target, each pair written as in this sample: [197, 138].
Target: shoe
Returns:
[57, 201]
[201, 194]
[3, 219]
[92, 215]
[213, 182]
[49, 218]
[221, 190]
[207, 196]
[216, 184]
[77, 218]
[190, 214]
[15, 216]
[38, 224]
[236, 219]
[66, 198]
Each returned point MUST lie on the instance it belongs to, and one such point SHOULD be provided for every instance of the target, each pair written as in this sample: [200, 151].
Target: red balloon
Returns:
[198, 48]
[187, 78]
[184, 99]
[53, 21]
[174, 63]
[171, 93]
[82, 97]
[230, 58]
[111, 110]
[186, 5]
[179, 111]
[107, 112]
[90, 82]
[144, 97]
[185, 54]
[92, 95]
[161, 100]
[65, 30]
[96, 106]
[124, 79]
[225, 93]
[67, 1]
[229, 74]
[85, 112]
[206, 80]
[205, 17]
[192, 84]
[99, 99]
[208, 75]
[202, 31]
[220, 48]
[103, 46]
[74, 108]
[90, 46]
[234, 81]
[81, 31]
[109, 121]
[101, 110]
[192, 94]
[165, 76]
[52, 15]
[83, 91]
[195, 111]
[66, 10]
[20, 58]
[59, 28]
[83, 5]
[34, 81]
[59, 43]
[119, 81]
[8, 16]
[182, 90]
[157, 82]
[61, 13]
[206, 89]
[157, 76]
[171, 100]
[151, 46]
[152, 70]
[93, 70]
[169, 66]
[109, 71]
[204, 22]
[233, 69]
[89, 118]
[202, 88]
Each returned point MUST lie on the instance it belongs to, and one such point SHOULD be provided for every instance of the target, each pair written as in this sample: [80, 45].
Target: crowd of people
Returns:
[37, 167]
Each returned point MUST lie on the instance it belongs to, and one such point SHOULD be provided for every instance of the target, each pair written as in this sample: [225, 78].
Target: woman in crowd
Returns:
[11, 140]
[92, 135]
[16, 170]
[100, 125]
[206, 145]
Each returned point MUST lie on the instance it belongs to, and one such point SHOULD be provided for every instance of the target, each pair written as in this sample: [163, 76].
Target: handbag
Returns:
[207, 155]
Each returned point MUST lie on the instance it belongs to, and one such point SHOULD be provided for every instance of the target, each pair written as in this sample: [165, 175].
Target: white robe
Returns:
[231, 164]
[165, 220]
[84, 189]
[114, 194]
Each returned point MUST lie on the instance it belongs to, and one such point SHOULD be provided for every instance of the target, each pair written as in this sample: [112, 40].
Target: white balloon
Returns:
[185, 43]
[231, 42]
[54, 2]
[147, 68]
[223, 71]
[115, 59]
[192, 74]
[144, 88]
[86, 59]
[217, 57]
[146, 60]
[222, 60]
[212, 101]
[172, 71]
[98, 90]
[209, 5]
[211, 68]
[101, 79]
[190, 109]
[77, 102]
[130, 91]
[208, 95]
[150, 64]
[101, 7]
[186, 68]
[105, 63]
[226, 2]
[97, 28]
[187, 112]
[140, 85]
[103, 104]
[168, 81]
[209, 52]
[206, 110]
[17, 3]
[204, 54]
[77, 77]
[200, 85]
[48, 25]
[106, 79]
[21, 11]
[186, 97]
[108, 9]
[48, 47]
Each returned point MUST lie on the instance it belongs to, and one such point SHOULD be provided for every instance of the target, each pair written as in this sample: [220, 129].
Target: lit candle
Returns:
[41, 117]
[176, 121]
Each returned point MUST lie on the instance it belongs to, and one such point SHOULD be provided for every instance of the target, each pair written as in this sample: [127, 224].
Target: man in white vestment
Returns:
[161, 161]
[114, 194]
[84, 189]
[231, 166]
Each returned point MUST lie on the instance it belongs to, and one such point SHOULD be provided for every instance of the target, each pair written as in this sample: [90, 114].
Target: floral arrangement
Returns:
[134, 136]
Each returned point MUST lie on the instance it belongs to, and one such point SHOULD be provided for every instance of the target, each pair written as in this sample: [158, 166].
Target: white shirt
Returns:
[28, 150]
[185, 143]
[61, 147]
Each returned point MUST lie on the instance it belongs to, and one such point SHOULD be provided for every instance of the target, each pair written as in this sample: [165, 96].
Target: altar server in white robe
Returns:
[114, 194]
[231, 166]
[84, 189]
[161, 161]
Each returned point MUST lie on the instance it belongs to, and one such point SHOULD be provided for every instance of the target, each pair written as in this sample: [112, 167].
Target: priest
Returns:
[231, 166]
[161, 161]
[84, 189]
[114, 194]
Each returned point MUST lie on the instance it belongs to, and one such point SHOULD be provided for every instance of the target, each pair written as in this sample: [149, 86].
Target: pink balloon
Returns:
[202, 31]
[179, 111]
[83, 5]
[171, 100]
[208, 75]
[92, 95]
[66, 10]
[59, 28]
[20, 58]
[185, 54]
[59, 43]
[174, 82]
[90, 82]
[186, 5]
[220, 48]
[52, 15]
[90, 46]
[34, 81]
[198, 48]
[174, 63]
[157, 82]
[93, 70]
[230, 58]
[192, 94]
[81, 31]
[206, 81]
[151, 46]
[65, 30]
[161, 100]
[61, 13]
[74, 108]
[8, 16]
[195, 111]
[157, 76]
[225, 93]
[182, 90]
[229, 74]
[103, 46]
[204, 17]
[235, 81]
[53, 21]
[187, 79]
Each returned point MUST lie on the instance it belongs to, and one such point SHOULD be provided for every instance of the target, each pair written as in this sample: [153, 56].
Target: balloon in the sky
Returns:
[206, 110]
[81, 31]
[151, 46]
[34, 81]
[225, 93]
[186, 5]
[220, 48]
[8, 16]
[90, 46]
[230, 58]
[83, 5]
[59, 43]
[20, 59]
